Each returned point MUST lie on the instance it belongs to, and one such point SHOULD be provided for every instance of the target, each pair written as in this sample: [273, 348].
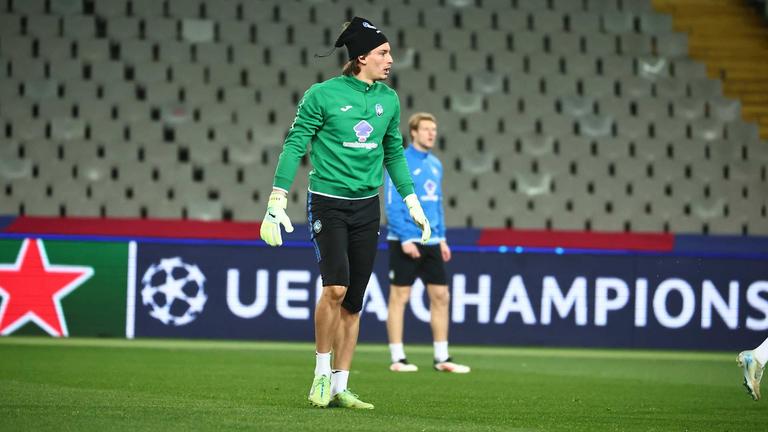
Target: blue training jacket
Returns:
[427, 173]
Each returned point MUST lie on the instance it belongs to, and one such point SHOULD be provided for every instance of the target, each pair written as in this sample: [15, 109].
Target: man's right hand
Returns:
[410, 249]
[270, 226]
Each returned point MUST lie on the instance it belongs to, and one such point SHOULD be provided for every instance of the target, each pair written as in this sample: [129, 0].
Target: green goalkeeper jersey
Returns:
[352, 128]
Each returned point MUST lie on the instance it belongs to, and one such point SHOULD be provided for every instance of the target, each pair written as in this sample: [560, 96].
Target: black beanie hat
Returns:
[360, 37]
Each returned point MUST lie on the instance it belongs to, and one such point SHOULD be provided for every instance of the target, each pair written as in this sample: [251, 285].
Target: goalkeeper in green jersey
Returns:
[351, 123]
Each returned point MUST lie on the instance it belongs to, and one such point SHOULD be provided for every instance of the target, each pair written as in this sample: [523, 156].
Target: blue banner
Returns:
[633, 300]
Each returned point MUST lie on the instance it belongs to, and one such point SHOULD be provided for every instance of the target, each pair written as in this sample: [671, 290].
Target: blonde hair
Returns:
[416, 118]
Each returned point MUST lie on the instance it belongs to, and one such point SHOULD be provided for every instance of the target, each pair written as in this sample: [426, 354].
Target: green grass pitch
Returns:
[90, 384]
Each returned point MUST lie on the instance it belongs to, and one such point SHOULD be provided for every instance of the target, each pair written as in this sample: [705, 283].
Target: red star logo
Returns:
[32, 289]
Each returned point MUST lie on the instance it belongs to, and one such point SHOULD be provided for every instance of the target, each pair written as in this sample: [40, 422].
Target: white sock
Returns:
[323, 364]
[761, 352]
[339, 380]
[441, 351]
[397, 351]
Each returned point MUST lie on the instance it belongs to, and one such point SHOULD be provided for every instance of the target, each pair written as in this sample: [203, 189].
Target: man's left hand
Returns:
[445, 250]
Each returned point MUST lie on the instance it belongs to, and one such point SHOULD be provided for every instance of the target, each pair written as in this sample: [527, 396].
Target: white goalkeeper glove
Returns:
[417, 213]
[270, 226]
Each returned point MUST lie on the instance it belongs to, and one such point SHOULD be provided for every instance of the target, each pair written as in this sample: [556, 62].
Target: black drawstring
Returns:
[326, 54]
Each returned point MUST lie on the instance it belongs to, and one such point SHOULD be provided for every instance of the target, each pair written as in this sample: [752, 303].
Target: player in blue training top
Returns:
[409, 259]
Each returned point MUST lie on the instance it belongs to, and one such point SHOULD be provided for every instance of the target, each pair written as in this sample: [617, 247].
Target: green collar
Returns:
[358, 85]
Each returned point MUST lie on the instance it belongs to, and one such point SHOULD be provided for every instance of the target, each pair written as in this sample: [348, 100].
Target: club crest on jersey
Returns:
[317, 226]
[430, 187]
[363, 130]
[379, 110]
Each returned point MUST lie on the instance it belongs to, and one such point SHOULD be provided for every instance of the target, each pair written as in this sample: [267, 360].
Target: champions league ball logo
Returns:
[174, 291]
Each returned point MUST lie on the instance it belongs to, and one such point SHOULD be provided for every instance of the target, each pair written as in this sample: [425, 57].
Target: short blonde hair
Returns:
[415, 119]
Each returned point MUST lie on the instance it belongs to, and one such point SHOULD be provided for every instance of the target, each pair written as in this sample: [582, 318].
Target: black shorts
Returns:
[403, 270]
[345, 234]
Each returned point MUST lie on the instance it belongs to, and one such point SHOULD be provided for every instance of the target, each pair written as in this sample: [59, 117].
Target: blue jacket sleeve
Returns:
[397, 212]
[440, 232]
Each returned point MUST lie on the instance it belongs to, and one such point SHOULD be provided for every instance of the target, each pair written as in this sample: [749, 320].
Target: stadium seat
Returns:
[706, 88]
[79, 26]
[671, 88]
[30, 69]
[618, 22]
[93, 50]
[235, 31]
[537, 144]
[616, 66]
[134, 51]
[668, 128]
[67, 129]
[599, 44]
[651, 108]
[29, 7]
[10, 205]
[652, 68]
[655, 23]
[580, 66]
[131, 111]
[576, 106]
[209, 54]
[533, 184]
[491, 42]
[743, 132]
[632, 127]
[35, 205]
[540, 105]
[56, 50]
[557, 85]
[478, 163]
[595, 125]
[28, 129]
[672, 45]
[10, 25]
[43, 26]
[150, 73]
[725, 109]
[510, 64]
[635, 45]
[184, 9]
[148, 8]
[688, 68]
[466, 103]
[15, 47]
[14, 168]
[566, 44]
[205, 210]
[486, 82]
[160, 93]
[107, 130]
[566, 6]
[110, 9]
[123, 27]
[603, 5]
[689, 108]
[706, 129]
[160, 29]
[528, 43]
[598, 87]
[514, 22]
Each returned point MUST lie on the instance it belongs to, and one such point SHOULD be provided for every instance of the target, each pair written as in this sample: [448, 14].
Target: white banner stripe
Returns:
[130, 308]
